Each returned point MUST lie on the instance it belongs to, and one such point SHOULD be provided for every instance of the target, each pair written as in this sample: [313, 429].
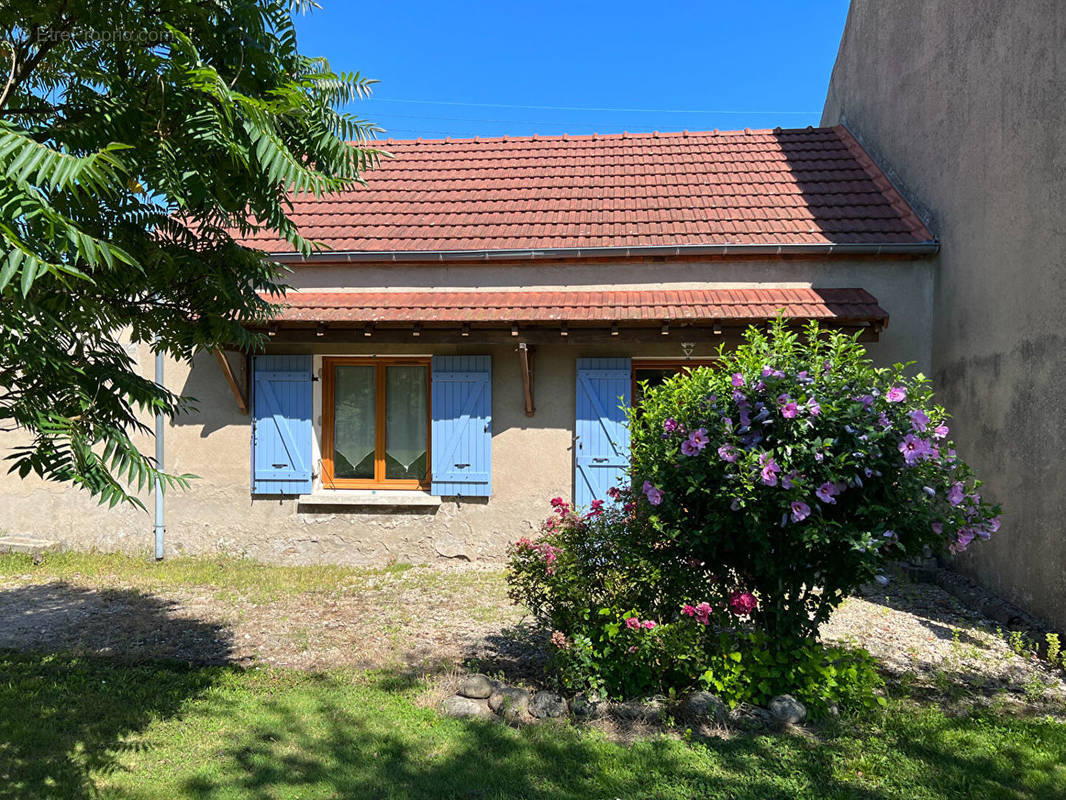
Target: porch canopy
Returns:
[549, 316]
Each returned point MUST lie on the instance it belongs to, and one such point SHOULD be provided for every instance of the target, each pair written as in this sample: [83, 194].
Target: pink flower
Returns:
[742, 603]
[632, 623]
[648, 624]
[940, 431]
[614, 493]
[737, 379]
[897, 394]
[595, 508]
[813, 407]
[523, 543]
[559, 640]
[633, 649]
[688, 611]
[727, 452]
[703, 613]
[789, 410]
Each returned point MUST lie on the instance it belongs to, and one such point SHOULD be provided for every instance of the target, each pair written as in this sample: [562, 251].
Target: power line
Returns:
[586, 108]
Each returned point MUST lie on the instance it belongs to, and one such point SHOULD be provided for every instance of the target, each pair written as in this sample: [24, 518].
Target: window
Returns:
[655, 372]
[375, 423]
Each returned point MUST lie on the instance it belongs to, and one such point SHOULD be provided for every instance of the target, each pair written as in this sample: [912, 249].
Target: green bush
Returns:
[769, 489]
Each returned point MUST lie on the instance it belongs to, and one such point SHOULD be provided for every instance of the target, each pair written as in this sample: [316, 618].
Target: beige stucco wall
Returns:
[531, 456]
[963, 104]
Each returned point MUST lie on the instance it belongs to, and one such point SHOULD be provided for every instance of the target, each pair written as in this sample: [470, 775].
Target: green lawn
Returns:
[83, 727]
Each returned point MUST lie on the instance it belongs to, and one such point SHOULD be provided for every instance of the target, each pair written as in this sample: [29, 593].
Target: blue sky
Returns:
[518, 68]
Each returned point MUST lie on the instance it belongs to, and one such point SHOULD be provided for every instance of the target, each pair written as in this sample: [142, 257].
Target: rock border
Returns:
[519, 705]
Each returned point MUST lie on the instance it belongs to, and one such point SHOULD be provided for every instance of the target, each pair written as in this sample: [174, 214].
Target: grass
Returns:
[264, 581]
[97, 727]
[78, 728]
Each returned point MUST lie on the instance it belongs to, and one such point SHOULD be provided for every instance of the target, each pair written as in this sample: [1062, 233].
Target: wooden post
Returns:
[525, 354]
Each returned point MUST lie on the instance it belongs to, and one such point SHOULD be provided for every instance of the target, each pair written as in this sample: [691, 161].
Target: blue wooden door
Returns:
[462, 425]
[281, 425]
[601, 436]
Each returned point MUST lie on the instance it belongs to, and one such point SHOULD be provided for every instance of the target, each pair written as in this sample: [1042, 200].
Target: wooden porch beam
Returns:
[238, 393]
[525, 354]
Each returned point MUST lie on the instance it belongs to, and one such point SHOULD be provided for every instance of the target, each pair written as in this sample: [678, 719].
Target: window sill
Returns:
[375, 498]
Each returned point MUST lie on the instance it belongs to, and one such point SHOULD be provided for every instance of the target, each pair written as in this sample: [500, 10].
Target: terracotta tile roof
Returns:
[785, 187]
[648, 306]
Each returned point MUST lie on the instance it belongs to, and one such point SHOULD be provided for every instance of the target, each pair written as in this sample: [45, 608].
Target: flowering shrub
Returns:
[764, 493]
[797, 470]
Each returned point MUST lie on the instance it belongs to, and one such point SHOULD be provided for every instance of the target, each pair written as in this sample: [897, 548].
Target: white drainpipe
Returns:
[160, 426]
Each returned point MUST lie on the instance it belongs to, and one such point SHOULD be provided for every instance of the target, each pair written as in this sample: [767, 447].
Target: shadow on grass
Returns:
[328, 745]
[65, 716]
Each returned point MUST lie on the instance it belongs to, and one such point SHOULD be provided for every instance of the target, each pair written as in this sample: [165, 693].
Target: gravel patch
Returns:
[435, 620]
[926, 640]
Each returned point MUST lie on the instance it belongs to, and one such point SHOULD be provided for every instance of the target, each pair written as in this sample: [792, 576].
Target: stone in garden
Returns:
[751, 718]
[509, 702]
[787, 708]
[707, 706]
[458, 706]
[477, 686]
[581, 706]
[647, 710]
[547, 705]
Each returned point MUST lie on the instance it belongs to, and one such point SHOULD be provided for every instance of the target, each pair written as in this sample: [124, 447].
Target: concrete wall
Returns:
[532, 457]
[963, 105]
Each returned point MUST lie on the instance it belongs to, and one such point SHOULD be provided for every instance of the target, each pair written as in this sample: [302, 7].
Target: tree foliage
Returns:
[136, 139]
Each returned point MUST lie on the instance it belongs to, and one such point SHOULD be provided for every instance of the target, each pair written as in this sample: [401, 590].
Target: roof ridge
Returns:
[597, 137]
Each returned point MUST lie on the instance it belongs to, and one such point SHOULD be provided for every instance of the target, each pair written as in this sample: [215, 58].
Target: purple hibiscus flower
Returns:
[826, 493]
[688, 448]
[727, 453]
[654, 495]
[919, 419]
[737, 379]
[769, 471]
[897, 394]
[955, 494]
[814, 408]
[670, 425]
[789, 410]
[940, 431]
[800, 511]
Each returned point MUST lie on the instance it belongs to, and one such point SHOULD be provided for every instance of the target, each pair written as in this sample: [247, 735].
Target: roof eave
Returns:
[348, 256]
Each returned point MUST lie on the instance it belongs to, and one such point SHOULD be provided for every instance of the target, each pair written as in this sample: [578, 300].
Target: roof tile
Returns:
[604, 306]
[808, 186]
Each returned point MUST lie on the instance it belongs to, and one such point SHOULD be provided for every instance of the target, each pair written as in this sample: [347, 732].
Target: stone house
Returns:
[458, 352]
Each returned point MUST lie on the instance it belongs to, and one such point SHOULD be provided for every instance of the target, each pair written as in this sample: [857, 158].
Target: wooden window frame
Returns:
[328, 419]
[676, 364]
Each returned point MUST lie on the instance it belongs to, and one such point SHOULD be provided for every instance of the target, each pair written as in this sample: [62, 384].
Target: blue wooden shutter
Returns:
[281, 425]
[601, 443]
[462, 425]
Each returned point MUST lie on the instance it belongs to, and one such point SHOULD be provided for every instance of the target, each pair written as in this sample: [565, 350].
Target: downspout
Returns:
[160, 427]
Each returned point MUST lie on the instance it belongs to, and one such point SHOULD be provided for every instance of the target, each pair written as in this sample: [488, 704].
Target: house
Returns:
[458, 353]
[965, 103]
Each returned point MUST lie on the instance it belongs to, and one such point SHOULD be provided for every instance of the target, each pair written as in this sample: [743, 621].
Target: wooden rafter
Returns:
[526, 353]
[239, 394]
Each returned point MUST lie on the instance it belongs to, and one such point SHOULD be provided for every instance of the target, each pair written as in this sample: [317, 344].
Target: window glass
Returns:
[354, 426]
[405, 422]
